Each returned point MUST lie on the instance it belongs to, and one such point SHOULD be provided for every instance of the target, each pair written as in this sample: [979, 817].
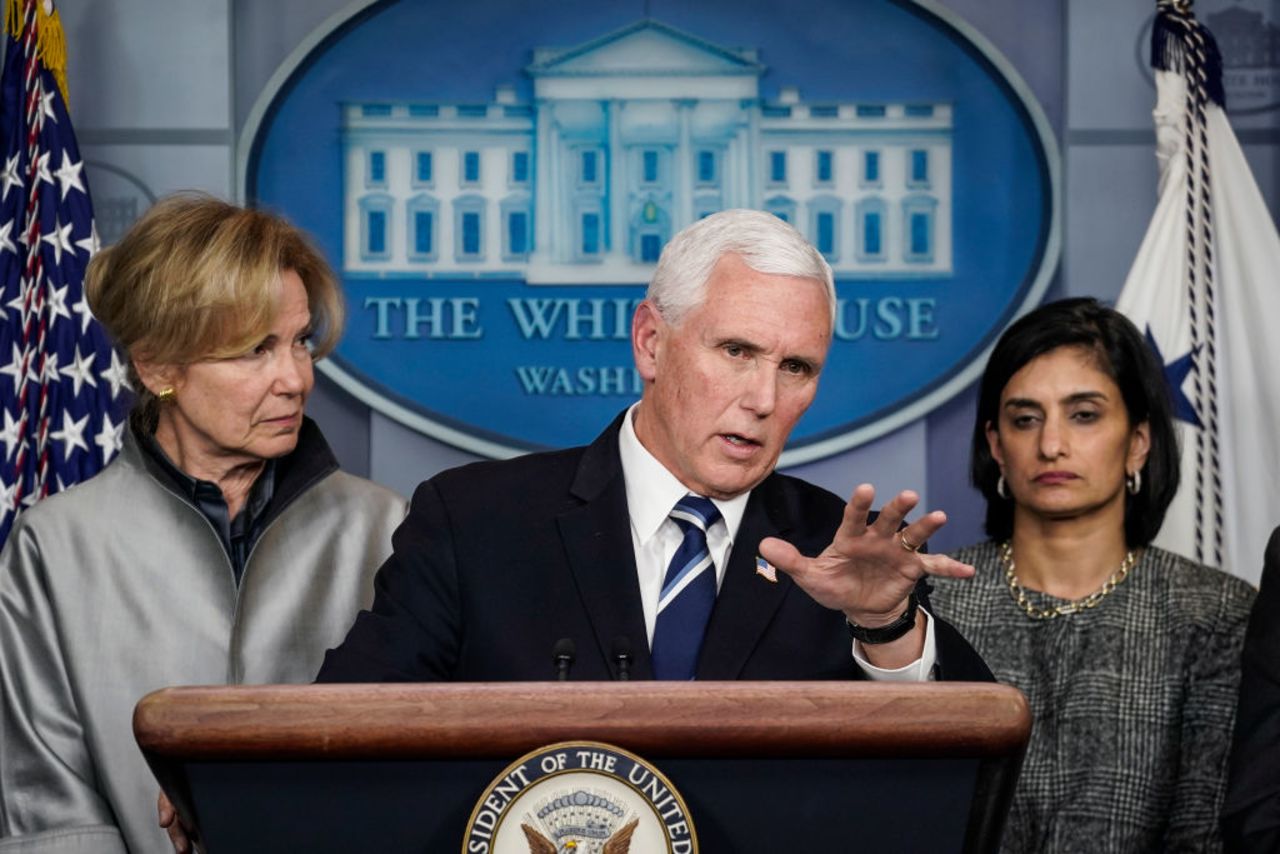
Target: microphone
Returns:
[621, 652]
[562, 655]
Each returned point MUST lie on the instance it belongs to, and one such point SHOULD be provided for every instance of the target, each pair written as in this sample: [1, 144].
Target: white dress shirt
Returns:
[651, 493]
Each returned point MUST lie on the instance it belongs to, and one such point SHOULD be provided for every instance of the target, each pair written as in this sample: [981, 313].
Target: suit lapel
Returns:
[597, 541]
[747, 602]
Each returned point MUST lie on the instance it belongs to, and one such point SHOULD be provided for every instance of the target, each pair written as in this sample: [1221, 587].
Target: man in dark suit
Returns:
[1251, 812]
[656, 550]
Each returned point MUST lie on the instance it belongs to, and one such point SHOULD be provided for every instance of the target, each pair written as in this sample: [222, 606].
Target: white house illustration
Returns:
[631, 137]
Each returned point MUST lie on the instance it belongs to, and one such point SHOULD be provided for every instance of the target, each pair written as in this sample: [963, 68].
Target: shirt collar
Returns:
[201, 491]
[652, 490]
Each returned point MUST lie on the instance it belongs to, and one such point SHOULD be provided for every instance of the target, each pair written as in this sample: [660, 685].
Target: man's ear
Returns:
[647, 332]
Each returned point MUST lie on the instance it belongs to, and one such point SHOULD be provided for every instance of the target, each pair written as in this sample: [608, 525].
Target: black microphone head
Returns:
[564, 650]
[621, 647]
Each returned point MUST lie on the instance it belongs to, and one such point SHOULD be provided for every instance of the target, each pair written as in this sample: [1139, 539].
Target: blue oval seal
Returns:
[494, 188]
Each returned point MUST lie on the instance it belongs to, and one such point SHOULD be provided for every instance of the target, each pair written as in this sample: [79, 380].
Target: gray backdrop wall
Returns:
[161, 91]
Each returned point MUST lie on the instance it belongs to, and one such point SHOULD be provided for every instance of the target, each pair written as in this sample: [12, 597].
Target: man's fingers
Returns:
[893, 512]
[166, 811]
[918, 532]
[945, 567]
[781, 554]
[854, 523]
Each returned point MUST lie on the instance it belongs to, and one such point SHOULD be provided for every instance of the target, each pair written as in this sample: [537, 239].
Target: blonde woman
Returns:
[221, 545]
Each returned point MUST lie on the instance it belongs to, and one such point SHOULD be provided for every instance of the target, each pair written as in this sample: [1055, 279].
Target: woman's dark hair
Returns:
[1123, 355]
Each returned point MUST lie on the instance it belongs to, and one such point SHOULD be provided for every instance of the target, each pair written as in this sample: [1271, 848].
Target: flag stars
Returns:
[14, 368]
[81, 371]
[6, 240]
[46, 107]
[49, 374]
[19, 303]
[81, 307]
[117, 376]
[42, 168]
[90, 244]
[68, 174]
[60, 240]
[57, 305]
[110, 438]
[11, 435]
[71, 435]
[10, 176]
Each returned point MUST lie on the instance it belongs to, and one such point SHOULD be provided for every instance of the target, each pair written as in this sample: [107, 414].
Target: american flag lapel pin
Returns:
[766, 570]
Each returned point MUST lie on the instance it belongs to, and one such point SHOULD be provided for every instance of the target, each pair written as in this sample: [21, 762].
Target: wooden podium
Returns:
[762, 766]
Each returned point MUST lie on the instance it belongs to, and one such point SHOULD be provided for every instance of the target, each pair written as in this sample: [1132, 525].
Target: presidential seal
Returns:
[580, 797]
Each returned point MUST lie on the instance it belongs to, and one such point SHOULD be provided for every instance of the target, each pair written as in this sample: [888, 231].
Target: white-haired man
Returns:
[653, 550]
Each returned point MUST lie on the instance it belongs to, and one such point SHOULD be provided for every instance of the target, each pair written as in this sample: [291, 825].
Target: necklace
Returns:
[1091, 601]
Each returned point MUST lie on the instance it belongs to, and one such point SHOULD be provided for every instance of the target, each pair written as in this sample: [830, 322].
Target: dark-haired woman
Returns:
[1129, 655]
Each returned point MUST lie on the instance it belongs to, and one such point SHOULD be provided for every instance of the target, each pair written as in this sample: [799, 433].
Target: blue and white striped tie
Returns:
[688, 593]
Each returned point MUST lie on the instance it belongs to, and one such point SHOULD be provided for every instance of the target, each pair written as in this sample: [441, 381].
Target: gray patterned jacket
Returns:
[1132, 702]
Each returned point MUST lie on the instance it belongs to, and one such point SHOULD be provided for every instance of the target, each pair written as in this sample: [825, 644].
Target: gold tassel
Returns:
[51, 43]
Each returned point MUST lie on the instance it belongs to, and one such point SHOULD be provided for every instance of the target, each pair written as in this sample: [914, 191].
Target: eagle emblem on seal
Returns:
[580, 822]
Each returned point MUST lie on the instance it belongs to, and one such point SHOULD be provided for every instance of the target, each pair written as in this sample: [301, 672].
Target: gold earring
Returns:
[167, 394]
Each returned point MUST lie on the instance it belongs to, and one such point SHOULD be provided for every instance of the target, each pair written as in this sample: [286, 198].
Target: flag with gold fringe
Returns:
[63, 391]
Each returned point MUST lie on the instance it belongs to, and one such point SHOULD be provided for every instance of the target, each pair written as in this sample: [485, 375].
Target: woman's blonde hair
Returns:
[198, 278]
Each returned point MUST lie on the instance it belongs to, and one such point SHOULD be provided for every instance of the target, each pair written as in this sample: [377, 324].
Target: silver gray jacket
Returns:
[118, 587]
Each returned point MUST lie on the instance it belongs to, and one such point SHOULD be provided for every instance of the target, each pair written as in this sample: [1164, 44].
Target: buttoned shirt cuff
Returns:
[920, 670]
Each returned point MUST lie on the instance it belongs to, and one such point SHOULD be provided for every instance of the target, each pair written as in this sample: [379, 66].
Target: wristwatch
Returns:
[890, 632]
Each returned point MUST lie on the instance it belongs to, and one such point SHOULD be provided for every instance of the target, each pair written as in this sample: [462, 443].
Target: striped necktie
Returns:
[688, 593]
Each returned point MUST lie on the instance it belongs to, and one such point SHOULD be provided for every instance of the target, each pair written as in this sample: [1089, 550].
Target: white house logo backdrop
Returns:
[495, 181]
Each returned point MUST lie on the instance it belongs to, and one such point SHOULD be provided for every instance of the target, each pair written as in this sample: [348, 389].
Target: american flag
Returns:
[63, 392]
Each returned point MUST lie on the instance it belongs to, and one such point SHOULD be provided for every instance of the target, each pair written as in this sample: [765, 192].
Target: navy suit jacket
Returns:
[1252, 809]
[497, 561]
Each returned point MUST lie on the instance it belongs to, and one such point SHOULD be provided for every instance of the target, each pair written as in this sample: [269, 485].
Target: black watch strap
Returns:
[890, 632]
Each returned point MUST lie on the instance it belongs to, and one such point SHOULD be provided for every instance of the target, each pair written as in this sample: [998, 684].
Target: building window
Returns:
[919, 230]
[650, 248]
[470, 167]
[917, 222]
[520, 167]
[377, 168]
[422, 168]
[591, 233]
[423, 232]
[822, 167]
[706, 166]
[777, 167]
[377, 239]
[826, 233]
[422, 219]
[870, 230]
[871, 167]
[470, 233]
[871, 238]
[824, 226]
[781, 207]
[517, 236]
[375, 228]
[919, 168]
[590, 163]
[469, 228]
[517, 233]
[649, 167]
